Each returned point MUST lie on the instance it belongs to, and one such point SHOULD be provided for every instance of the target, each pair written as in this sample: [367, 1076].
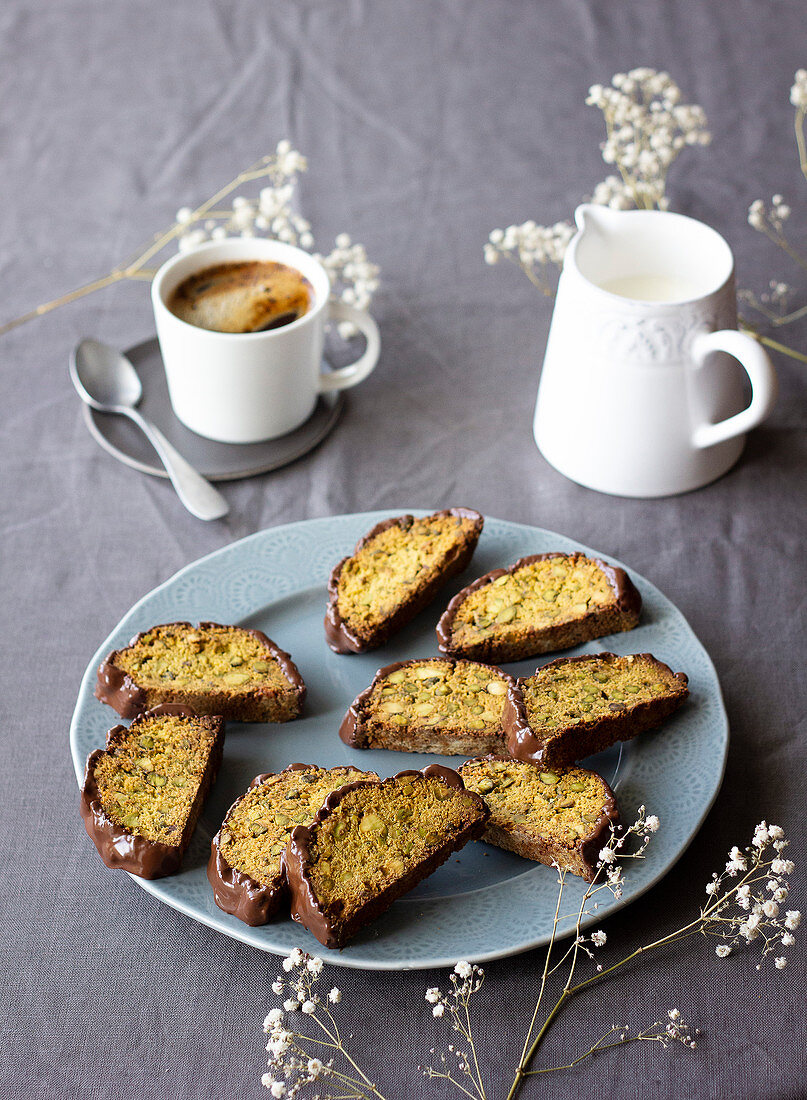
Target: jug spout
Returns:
[600, 219]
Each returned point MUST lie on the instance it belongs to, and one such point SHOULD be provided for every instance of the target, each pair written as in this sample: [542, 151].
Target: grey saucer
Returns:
[217, 461]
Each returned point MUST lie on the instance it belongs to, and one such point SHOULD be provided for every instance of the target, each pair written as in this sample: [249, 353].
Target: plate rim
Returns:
[388, 965]
[336, 399]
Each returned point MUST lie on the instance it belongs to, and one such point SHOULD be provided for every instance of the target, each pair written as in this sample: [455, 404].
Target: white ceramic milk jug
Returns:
[641, 392]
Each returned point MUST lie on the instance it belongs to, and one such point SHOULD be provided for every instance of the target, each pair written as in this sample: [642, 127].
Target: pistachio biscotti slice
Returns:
[228, 670]
[430, 705]
[541, 603]
[576, 706]
[143, 793]
[372, 842]
[395, 571]
[245, 858]
[563, 816]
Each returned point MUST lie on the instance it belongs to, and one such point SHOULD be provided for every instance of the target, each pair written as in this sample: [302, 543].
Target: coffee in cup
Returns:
[244, 296]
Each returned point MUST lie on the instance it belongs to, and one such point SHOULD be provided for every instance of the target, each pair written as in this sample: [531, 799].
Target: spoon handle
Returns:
[197, 494]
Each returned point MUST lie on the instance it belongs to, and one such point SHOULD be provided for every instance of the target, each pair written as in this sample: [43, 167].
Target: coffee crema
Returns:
[242, 296]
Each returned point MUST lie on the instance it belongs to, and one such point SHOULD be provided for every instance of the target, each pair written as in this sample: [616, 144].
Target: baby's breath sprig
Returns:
[532, 248]
[771, 220]
[647, 127]
[297, 1059]
[354, 280]
[744, 905]
[671, 1030]
[466, 980]
[622, 844]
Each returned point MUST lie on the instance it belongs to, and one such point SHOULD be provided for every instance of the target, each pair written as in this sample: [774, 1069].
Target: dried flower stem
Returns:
[524, 1051]
[771, 221]
[569, 991]
[800, 141]
[353, 278]
[713, 920]
[134, 267]
[775, 345]
[650, 1034]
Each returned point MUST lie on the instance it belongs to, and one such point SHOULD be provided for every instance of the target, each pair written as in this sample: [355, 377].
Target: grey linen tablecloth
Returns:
[426, 125]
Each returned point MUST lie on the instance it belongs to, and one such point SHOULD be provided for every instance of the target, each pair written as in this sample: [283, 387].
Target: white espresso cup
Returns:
[245, 387]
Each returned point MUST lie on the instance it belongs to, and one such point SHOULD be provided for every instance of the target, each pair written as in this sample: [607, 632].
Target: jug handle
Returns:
[759, 369]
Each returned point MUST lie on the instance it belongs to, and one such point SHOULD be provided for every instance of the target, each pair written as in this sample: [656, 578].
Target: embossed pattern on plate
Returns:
[484, 903]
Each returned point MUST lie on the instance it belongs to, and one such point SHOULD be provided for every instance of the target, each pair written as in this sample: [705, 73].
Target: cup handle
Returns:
[759, 369]
[358, 371]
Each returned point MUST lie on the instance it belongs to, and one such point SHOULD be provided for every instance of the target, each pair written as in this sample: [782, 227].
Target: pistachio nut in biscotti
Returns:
[143, 794]
[560, 816]
[576, 706]
[371, 843]
[433, 704]
[395, 571]
[245, 868]
[228, 670]
[542, 603]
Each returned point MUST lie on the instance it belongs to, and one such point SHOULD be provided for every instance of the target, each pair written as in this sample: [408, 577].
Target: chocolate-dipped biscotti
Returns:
[372, 842]
[430, 705]
[394, 572]
[562, 816]
[143, 794]
[541, 603]
[228, 670]
[245, 868]
[576, 706]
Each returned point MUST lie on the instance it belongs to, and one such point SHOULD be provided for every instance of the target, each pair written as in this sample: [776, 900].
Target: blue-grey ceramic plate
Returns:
[484, 903]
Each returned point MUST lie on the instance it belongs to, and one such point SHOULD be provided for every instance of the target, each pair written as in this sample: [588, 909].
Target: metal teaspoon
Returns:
[108, 382]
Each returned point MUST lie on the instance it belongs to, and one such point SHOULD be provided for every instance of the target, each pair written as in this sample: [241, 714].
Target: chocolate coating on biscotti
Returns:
[581, 860]
[576, 742]
[235, 891]
[622, 615]
[306, 908]
[117, 688]
[353, 729]
[339, 634]
[128, 851]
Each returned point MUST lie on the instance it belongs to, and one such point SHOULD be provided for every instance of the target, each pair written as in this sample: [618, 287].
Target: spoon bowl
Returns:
[104, 377]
